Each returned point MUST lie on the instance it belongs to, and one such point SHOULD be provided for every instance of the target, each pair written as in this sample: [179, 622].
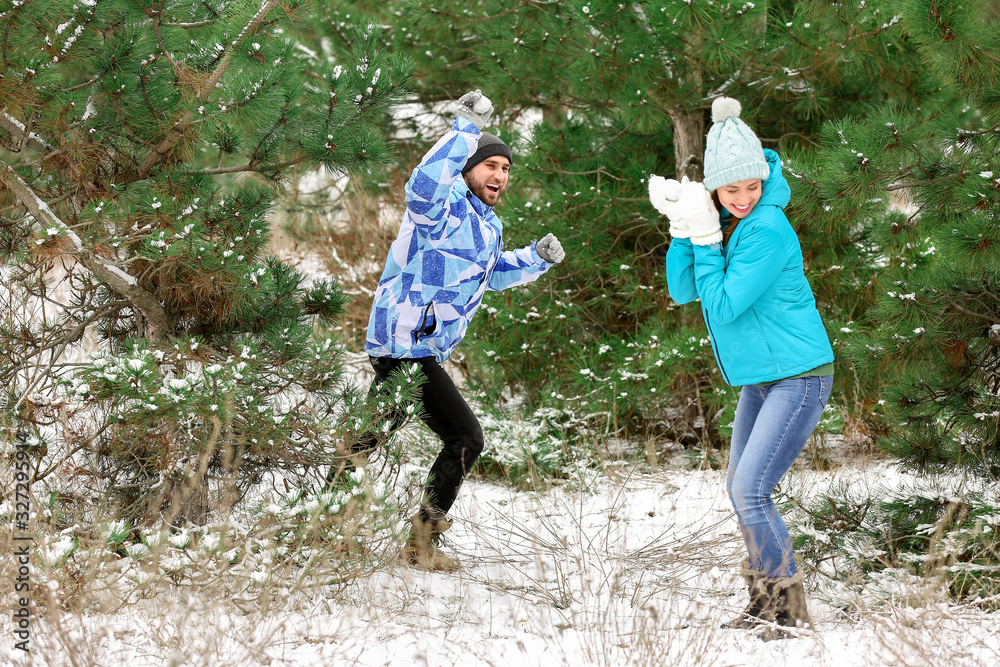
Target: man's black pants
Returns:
[447, 414]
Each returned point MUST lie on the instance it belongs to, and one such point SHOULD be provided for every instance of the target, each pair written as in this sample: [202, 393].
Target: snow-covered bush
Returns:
[865, 534]
[286, 548]
[531, 450]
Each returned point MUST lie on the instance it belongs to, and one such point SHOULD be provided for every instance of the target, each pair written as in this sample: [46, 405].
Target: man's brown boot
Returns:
[421, 549]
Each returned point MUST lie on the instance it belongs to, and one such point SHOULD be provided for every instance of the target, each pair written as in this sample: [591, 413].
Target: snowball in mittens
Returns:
[663, 192]
[695, 202]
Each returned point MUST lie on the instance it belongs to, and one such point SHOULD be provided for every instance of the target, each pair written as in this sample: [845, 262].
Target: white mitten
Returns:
[699, 215]
[664, 195]
[689, 207]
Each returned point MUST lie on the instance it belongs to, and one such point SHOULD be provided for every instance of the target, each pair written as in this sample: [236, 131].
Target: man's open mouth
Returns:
[492, 188]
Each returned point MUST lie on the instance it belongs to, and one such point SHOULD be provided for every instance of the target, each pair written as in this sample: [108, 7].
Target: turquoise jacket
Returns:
[758, 306]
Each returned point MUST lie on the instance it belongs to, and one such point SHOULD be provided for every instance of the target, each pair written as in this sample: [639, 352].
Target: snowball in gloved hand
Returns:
[482, 105]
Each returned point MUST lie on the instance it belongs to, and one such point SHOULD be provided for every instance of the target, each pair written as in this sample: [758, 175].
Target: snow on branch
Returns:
[40, 210]
[156, 320]
[17, 128]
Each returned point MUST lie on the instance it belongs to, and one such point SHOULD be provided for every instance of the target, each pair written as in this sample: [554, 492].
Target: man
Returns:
[448, 253]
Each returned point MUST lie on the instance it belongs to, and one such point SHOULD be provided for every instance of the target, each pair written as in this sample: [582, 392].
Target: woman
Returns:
[746, 267]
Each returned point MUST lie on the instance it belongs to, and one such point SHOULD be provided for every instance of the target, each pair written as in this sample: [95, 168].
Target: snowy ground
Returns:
[635, 570]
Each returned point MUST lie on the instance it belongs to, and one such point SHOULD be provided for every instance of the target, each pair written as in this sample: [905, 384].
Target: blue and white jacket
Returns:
[448, 252]
[757, 303]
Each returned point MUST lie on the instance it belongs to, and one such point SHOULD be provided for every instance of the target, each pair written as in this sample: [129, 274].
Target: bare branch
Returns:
[261, 168]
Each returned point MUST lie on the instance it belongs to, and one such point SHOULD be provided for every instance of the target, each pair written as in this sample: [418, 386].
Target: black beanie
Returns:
[489, 145]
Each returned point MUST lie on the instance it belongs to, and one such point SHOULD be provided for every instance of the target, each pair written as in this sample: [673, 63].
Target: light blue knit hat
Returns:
[732, 152]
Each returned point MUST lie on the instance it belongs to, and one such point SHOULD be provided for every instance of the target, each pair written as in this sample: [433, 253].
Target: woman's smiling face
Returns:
[740, 197]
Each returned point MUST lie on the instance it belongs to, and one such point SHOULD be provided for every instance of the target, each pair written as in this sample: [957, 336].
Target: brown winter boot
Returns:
[758, 611]
[788, 599]
[421, 549]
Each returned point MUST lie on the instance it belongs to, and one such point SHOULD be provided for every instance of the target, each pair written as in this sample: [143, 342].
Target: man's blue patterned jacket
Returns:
[448, 252]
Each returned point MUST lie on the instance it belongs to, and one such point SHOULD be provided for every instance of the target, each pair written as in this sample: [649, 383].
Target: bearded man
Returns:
[447, 255]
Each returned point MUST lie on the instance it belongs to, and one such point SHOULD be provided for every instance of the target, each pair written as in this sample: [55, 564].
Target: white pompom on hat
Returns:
[732, 152]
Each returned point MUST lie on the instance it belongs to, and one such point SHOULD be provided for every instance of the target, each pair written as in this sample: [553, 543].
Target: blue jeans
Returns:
[771, 427]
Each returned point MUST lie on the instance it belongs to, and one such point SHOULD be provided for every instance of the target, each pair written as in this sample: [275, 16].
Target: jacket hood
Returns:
[776, 191]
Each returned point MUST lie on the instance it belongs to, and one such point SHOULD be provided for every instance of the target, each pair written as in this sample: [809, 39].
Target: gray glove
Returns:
[689, 207]
[550, 249]
[475, 107]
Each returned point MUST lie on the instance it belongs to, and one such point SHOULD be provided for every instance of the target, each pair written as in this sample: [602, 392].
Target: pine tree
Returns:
[140, 148]
[926, 179]
[612, 92]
